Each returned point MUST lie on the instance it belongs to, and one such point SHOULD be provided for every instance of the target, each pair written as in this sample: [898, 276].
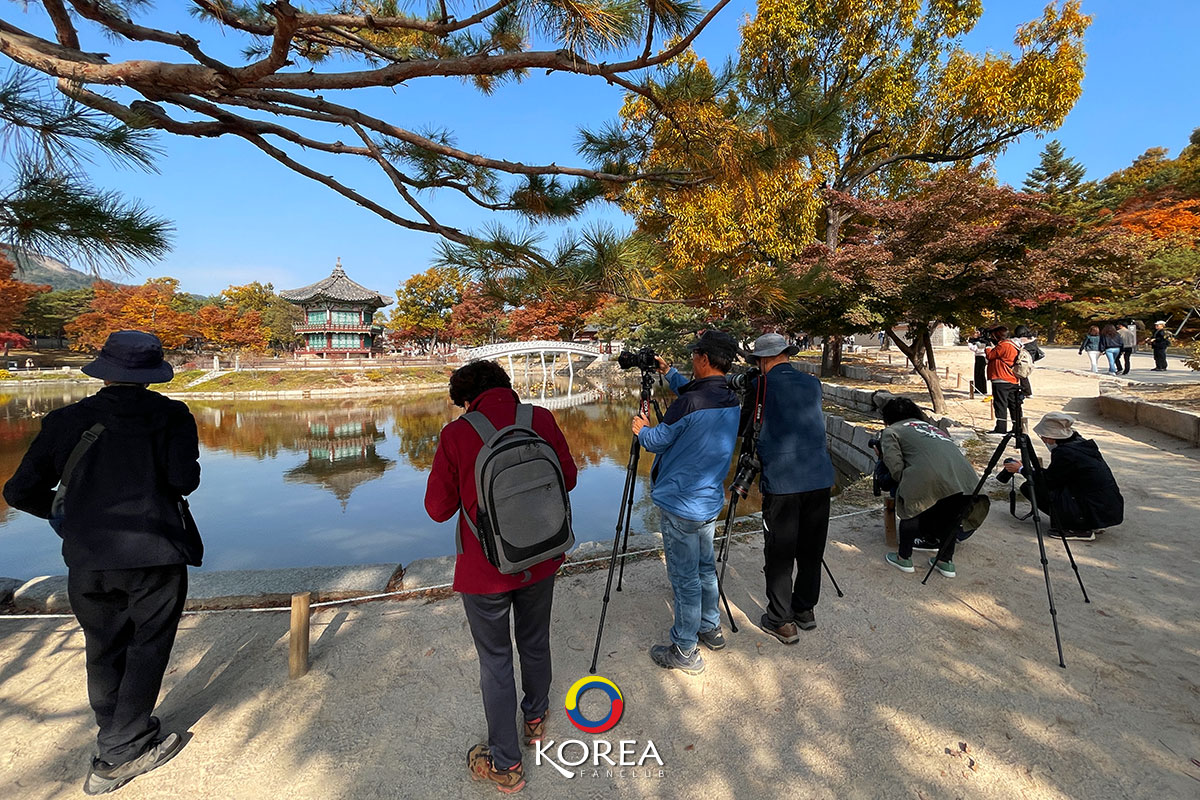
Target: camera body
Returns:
[1004, 476]
[740, 381]
[984, 337]
[645, 359]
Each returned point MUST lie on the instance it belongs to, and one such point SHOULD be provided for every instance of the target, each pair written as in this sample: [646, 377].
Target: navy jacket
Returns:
[792, 445]
[693, 447]
[122, 507]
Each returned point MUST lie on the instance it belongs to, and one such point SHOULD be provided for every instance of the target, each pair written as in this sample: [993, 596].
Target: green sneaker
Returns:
[944, 567]
[902, 564]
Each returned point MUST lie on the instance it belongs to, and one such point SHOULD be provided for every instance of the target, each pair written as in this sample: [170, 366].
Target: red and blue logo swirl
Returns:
[579, 689]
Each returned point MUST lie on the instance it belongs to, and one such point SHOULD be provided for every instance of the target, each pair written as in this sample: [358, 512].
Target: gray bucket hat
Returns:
[131, 357]
[770, 344]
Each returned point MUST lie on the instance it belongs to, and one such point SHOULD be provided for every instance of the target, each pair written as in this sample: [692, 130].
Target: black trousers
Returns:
[980, 374]
[1005, 397]
[934, 524]
[1126, 353]
[129, 619]
[487, 616]
[794, 531]
[1160, 358]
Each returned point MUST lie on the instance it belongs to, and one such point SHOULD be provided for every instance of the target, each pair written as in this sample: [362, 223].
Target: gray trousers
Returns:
[487, 616]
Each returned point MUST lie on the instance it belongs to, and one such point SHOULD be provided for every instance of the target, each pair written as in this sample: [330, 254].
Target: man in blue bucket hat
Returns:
[123, 459]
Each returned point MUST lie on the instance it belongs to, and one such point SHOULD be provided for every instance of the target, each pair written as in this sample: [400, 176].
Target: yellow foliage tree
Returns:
[862, 97]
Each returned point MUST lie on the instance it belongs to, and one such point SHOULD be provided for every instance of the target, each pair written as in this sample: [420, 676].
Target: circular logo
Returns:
[579, 688]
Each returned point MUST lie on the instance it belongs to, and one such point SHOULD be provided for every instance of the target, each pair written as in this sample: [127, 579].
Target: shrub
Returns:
[5, 375]
[274, 379]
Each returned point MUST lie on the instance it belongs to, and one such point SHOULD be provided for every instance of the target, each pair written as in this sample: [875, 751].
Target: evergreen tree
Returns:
[1058, 177]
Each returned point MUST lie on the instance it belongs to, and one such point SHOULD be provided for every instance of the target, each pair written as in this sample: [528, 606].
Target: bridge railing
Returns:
[524, 348]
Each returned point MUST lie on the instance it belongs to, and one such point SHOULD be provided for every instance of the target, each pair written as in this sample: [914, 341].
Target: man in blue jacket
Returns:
[693, 446]
[797, 475]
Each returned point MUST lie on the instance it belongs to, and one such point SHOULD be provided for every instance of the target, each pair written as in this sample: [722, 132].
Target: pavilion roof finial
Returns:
[338, 266]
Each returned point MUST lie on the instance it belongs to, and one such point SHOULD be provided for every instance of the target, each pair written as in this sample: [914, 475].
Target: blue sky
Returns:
[239, 216]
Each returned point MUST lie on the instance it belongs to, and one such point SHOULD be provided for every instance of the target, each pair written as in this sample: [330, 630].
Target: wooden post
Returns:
[298, 638]
[971, 388]
[959, 384]
[889, 522]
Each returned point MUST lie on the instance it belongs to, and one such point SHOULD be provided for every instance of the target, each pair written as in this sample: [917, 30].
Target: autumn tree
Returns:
[229, 328]
[153, 307]
[856, 96]
[552, 317]
[14, 294]
[299, 93]
[279, 317]
[424, 304]
[956, 249]
[479, 317]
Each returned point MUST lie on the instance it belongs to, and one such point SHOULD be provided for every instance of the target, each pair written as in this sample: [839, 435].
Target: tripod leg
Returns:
[630, 482]
[836, 588]
[1075, 567]
[1026, 450]
[723, 557]
[627, 514]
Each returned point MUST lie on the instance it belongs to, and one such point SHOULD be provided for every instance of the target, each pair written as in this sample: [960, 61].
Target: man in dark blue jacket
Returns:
[693, 446]
[797, 475]
[126, 541]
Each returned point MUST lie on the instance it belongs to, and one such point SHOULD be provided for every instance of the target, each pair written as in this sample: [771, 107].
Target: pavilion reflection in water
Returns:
[341, 453]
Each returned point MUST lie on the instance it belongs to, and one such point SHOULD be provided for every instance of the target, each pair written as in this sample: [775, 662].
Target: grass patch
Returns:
[182, 378]
[293, 380]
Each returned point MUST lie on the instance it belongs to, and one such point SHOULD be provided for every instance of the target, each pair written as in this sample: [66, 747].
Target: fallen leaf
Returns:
[429, 652]
[962, 746]
[690, 747]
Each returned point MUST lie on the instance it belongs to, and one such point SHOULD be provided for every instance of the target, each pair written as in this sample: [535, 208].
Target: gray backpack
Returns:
[524, 513]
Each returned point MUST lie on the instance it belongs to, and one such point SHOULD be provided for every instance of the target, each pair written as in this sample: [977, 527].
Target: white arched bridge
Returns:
[570, 353]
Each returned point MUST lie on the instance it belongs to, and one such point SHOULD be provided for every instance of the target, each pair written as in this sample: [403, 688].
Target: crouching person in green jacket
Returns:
[936, 483]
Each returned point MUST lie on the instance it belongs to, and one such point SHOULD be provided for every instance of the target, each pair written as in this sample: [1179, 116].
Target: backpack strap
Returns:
[88, 438]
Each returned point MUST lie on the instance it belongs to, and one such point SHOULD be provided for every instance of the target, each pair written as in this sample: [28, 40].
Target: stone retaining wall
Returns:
[1165, 419]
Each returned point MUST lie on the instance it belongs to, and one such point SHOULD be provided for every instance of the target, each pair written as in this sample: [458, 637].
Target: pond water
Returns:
[325, 481]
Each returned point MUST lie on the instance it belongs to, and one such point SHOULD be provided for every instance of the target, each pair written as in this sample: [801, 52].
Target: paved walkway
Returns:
[878, 702]
[1140, 366]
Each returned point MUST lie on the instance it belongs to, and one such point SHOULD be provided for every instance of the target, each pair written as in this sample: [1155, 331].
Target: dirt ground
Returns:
[947, 690]
[1186, 397]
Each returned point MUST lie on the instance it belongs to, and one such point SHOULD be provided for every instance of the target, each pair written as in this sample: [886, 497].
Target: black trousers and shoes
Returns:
[488, 618]
[933, 525]
[1160, 359]
[1126, 353]
[129, 619]
[1005, 399]
[794, 531]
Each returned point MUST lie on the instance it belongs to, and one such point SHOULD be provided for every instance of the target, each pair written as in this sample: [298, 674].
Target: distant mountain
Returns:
[36, 268]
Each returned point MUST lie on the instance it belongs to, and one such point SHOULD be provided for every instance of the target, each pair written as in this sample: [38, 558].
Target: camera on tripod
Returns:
[740, 381]
[645, 359]
[748, 469]
[1004, 476]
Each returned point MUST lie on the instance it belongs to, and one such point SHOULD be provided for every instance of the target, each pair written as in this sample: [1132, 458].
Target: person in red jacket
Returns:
[487, 594]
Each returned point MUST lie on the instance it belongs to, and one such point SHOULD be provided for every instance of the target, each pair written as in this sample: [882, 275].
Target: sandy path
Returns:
[865, 706]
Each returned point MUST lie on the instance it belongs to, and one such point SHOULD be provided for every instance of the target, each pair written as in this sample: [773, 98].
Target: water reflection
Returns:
[336, 480]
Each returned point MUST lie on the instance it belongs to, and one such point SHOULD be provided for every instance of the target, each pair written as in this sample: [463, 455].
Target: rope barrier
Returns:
[396, 593]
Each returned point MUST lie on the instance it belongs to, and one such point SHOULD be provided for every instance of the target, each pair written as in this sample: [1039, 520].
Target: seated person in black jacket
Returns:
[1077, 489]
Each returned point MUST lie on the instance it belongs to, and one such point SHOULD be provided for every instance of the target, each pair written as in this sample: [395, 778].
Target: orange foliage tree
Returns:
[153, 307]
[14, 295]
[553, 318]
[226, 328]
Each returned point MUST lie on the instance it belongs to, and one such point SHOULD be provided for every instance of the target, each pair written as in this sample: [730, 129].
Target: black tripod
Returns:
[1028, 458]
[625, 511]
[748, 468]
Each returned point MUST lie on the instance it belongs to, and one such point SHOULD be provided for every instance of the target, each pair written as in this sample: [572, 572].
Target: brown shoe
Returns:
[534, 730]
[787, 633]
[479, 761]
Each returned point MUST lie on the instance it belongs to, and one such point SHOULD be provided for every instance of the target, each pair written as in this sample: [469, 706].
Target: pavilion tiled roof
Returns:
[337, 288]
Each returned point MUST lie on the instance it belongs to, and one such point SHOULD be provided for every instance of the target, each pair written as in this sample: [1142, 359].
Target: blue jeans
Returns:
[692, 570]
[1112, 353]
